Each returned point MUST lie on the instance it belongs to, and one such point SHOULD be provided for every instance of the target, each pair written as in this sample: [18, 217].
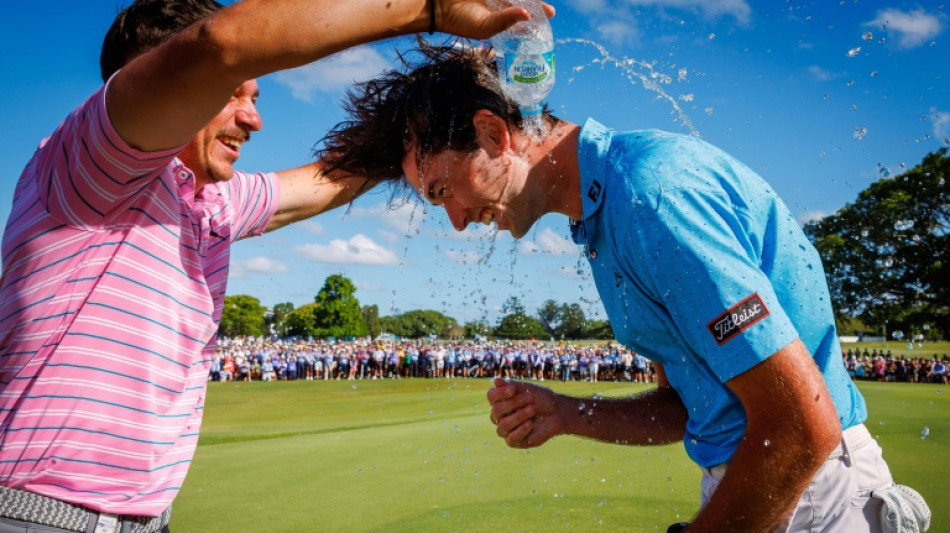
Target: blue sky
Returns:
[820, 97]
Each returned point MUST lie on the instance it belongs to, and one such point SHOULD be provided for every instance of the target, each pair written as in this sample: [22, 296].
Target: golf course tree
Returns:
[419, 323]
[563, 321]
[887, 255]
[300, 322]
[549, 316]
[337, 312]
[371, 319]
[242, 315]
[478, 328]
[516, 324]
[598, 329]
[274, 321]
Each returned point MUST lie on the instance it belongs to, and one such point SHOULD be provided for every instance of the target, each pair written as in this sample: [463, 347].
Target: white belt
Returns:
[855, 438]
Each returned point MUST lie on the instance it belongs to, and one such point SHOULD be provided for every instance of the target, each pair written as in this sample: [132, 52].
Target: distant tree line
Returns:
[336, 312]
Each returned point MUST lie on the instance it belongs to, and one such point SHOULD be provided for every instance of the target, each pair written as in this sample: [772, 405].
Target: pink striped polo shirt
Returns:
[114, 275]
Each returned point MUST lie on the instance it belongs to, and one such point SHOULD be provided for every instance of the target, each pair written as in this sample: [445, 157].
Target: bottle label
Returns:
[531, 69]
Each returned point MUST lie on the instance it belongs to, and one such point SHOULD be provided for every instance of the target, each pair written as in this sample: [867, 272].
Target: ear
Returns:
[491, 133]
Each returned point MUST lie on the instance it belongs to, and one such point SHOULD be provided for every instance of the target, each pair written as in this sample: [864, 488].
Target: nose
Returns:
[457, 215]
[248, 118]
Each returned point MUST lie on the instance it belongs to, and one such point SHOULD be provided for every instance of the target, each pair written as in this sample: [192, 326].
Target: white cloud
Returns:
[334, 73]
[241, 268]
[405, 217]
[367, 286]
[821, 74]
[388, 236]
[941, 123]
[358, 250]
[548, 242]
[617, 22]
[463, 257]
[810, 216]
[737, 9]
[311, 227]
[910, 28]
[618, 32]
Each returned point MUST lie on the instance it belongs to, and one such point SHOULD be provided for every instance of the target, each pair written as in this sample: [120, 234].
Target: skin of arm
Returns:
[162, 98]
[792, 429]
[306, 191]
[528, 415]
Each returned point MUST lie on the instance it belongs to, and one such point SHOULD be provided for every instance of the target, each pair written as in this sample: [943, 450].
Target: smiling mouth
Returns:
[233, 143]
[488, 217]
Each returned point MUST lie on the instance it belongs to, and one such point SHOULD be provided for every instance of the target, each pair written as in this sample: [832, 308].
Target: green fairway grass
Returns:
[421, 455]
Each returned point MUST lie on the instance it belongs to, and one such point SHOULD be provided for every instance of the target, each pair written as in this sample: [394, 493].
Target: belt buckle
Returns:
[107, 523]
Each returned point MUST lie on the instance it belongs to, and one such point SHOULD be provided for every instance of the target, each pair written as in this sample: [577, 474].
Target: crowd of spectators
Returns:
[275, 359]
[881, 366]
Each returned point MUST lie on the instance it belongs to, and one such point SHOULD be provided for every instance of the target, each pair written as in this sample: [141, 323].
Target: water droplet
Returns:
[712, 36]
[767, 443]
[581, 406]
[925, 432]
[709, 111]
[860, 132]
[902, 225]
[868, 36]
[854, 51]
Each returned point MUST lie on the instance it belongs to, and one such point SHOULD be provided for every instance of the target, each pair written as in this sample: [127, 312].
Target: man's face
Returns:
[471, 187]
[211, 153]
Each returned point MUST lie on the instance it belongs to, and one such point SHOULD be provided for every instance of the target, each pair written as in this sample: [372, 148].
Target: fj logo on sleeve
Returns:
[738, 319]
[594, 191]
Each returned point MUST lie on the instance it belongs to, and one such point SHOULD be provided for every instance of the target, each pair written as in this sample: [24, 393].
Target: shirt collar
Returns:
[592, 147]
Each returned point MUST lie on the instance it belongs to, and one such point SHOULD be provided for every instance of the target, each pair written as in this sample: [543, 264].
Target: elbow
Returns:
[819, 439]
[220, 47]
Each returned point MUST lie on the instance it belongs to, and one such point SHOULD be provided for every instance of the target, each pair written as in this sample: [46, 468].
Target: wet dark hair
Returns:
[146, 24]
[430, 101]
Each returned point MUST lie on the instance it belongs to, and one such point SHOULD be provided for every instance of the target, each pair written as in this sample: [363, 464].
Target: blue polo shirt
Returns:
[702, 268]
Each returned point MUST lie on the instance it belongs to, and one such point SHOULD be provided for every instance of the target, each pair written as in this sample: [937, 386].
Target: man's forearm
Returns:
[654, 417]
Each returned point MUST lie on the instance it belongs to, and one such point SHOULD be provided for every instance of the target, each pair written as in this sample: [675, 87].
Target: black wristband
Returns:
[677, 528]
[431, 16]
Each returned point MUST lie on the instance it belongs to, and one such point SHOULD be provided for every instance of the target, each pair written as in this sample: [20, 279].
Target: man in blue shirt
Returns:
[701, 268]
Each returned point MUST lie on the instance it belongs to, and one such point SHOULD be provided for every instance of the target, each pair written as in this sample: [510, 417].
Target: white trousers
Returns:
[853, 492]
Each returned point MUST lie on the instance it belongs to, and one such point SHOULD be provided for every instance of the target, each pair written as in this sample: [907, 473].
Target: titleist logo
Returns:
[738, 318]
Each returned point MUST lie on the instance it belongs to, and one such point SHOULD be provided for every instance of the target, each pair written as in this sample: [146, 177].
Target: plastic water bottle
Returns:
[525, 57]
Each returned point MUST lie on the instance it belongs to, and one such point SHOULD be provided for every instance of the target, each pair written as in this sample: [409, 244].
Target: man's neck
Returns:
[555, 174]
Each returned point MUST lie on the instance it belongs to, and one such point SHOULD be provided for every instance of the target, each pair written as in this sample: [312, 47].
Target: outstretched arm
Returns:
[162, 98]
[527, 415]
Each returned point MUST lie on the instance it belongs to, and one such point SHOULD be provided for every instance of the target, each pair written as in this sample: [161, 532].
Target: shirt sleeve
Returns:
[254, 199]
[85, 169]
[698, 258]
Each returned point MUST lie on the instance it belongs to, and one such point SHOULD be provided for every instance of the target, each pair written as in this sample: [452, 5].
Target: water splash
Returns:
[637, 70]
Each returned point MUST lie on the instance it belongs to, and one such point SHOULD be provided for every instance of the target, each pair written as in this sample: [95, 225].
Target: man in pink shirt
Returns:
[116, 251]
